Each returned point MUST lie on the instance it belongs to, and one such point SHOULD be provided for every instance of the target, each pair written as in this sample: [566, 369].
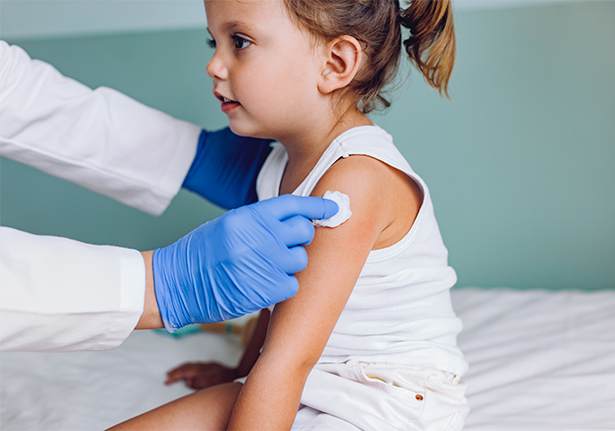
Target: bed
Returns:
[539, 360]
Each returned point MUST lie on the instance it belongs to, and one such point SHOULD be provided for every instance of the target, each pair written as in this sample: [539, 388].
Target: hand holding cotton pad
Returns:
[344, 213]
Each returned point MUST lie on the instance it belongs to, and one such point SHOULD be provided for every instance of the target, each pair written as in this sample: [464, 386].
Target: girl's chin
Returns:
[245, 130]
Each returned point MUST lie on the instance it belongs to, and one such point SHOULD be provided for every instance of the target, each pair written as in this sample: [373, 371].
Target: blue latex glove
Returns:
[238, 263]
[225, 168]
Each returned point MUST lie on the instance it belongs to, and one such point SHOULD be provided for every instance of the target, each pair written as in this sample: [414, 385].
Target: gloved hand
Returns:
[239, 263]
[225, 168]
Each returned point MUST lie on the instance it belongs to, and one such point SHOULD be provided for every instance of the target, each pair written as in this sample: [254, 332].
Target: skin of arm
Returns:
[150, 319]
[300, 327]
[253, 349]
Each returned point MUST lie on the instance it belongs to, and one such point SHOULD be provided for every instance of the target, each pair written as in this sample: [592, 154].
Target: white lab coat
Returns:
[57, 294]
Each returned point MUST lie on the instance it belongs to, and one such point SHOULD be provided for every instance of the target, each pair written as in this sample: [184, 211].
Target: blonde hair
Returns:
[376, 24]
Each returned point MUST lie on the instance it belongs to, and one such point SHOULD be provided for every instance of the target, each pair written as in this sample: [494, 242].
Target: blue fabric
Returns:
[225, 168]
[239, 263]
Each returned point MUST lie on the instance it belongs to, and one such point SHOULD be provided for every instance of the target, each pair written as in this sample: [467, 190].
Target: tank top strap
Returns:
[369, 141]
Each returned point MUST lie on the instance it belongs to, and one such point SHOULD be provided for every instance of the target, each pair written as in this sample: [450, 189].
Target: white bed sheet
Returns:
[95, 390]
[539, 360]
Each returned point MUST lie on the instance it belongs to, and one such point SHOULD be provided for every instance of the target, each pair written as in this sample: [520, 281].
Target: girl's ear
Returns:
[342, 60]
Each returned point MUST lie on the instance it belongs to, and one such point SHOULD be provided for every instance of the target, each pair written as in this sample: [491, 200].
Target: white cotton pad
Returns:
[344, 213]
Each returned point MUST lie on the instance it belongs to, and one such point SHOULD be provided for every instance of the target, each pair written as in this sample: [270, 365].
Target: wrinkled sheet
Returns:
[539, 360]
[95, 390]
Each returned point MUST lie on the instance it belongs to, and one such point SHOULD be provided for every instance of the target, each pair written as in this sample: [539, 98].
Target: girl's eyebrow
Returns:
[233, 26]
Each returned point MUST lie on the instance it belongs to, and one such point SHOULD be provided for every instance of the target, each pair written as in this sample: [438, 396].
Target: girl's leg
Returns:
[208, 409]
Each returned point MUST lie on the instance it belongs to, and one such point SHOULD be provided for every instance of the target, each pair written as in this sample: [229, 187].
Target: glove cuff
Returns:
[164, 295]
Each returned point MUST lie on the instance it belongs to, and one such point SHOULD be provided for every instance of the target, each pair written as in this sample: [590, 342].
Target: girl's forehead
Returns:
[250, 16]
[245, 4]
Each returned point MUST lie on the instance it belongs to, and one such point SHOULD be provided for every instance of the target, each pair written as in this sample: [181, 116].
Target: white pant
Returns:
[374, 396]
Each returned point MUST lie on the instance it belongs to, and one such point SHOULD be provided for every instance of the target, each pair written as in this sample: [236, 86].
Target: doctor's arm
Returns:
[58, 294]
[99, 139]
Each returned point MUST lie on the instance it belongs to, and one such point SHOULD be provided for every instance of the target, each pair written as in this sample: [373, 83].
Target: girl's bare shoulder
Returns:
[382, 198]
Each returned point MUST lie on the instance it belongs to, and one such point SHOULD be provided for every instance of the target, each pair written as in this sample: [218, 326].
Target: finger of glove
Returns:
[286, 206]
[284, 290]
[291, 260]
[294, 231]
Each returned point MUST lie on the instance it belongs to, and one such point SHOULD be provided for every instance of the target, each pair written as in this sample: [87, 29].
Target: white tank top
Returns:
[400, 309]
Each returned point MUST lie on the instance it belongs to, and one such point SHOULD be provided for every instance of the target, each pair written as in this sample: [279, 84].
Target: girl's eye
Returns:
[240, 42]
[211, 43]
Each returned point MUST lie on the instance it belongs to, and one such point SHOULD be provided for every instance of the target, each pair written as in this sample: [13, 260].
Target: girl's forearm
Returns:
[270, 397]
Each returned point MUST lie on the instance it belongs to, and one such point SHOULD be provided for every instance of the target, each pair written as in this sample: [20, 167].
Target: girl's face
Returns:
[265, 69]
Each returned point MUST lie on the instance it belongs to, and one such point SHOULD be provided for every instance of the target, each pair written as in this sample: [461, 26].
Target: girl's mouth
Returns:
[227, 104]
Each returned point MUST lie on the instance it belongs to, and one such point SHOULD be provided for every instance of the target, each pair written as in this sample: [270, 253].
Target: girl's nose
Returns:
[216, 68]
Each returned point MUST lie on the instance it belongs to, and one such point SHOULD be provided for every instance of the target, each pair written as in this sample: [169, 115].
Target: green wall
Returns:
[519, 163]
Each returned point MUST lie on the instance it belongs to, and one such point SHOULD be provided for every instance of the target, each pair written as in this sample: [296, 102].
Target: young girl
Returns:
[369, 341]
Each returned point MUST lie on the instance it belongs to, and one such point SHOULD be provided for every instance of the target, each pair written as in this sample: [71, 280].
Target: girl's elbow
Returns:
[295, 365]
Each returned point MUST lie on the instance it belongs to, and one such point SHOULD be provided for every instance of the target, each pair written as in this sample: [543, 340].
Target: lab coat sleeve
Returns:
[62, 295]
[99, 139]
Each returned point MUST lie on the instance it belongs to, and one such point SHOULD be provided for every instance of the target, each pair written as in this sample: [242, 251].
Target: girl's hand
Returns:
[200, 375]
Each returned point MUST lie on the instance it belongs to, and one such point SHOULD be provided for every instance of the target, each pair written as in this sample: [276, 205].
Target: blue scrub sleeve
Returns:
[225, 168]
